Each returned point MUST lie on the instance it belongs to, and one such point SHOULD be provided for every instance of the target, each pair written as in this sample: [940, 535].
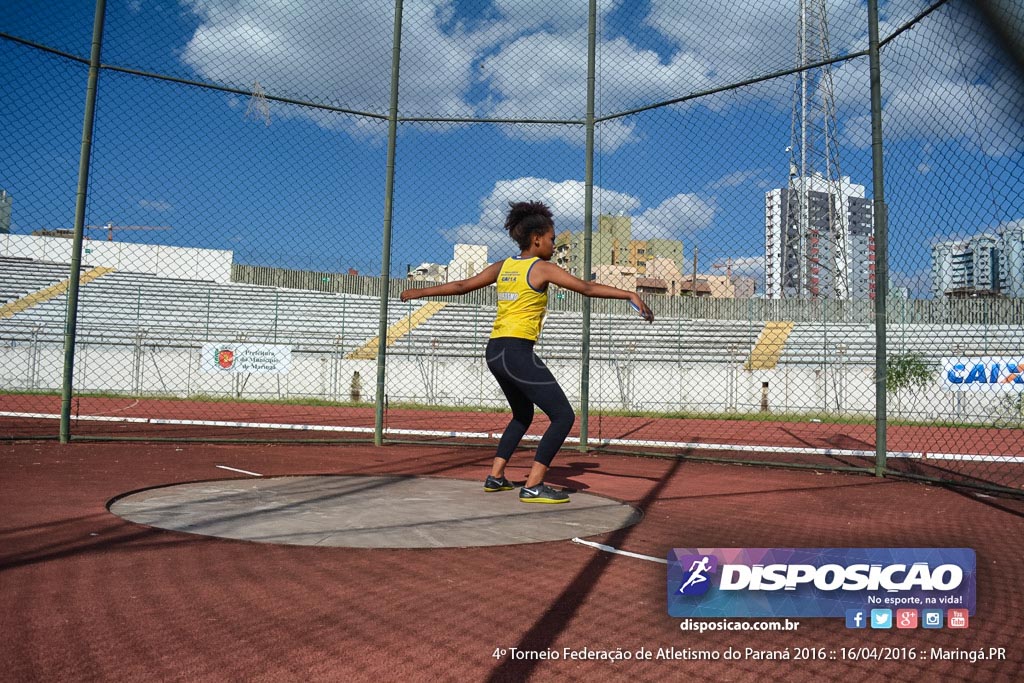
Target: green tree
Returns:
[1010, 411]
[907, 371]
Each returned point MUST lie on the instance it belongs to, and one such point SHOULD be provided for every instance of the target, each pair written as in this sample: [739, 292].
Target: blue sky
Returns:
[307, 190]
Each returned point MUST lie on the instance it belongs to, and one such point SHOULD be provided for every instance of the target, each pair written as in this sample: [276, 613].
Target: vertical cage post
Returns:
[82, 193]
[881, 242]
[389, 191]
[588, 220]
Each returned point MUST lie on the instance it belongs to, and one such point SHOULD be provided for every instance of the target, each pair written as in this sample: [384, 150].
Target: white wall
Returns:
[636, 385]
[158, 259]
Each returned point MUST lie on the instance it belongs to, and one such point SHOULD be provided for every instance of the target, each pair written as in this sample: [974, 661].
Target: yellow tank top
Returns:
[521, 308]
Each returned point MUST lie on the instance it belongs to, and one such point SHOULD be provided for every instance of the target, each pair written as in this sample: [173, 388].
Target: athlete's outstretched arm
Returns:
[487, 276]
[546, 272]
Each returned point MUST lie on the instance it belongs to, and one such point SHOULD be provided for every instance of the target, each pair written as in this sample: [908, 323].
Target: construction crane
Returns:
[727, 265]
[110, 228]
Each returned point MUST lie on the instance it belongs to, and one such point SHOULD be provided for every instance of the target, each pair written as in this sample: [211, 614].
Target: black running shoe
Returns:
[492, 484]
[542, 493]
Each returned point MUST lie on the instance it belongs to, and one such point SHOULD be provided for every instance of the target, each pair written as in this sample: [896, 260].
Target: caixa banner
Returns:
[987, 373]
[816, 582]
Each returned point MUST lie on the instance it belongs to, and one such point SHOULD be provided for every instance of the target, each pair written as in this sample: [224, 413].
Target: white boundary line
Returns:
[235, 469]
[609, 549]
[692, 445]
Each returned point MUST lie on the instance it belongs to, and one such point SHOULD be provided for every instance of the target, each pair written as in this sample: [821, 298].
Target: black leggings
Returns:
[526, 381]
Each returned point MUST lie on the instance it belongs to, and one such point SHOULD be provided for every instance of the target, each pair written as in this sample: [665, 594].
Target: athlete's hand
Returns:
[645, 312]
[409, 295]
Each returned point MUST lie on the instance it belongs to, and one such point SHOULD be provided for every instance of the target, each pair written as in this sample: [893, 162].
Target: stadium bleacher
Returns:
[19, 277]
[120, 307]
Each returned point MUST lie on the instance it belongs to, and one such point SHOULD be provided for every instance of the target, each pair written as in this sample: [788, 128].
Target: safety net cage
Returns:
[209, 211]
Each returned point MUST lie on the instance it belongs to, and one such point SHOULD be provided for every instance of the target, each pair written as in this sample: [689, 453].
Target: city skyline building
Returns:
[6, 209]
[1011, 260]
[819, 240]
[467, 261]
[983, 264]
[612, 244]
[819, 229]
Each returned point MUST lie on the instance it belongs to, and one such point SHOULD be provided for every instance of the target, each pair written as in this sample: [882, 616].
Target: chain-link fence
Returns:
[208, 211]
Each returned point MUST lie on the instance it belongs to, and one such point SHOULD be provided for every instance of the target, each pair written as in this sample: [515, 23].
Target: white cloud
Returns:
[977, 115]
[526, 59]
[939, 82]
[544, 76]
[531, 60]
[332, 53]
[536, 13]
[608, 135]
[1014, 224]
[744, 266]
[566, 200]
[737, 178]
[918, 282]
[740, 40]
[674, 218]
[939, 79]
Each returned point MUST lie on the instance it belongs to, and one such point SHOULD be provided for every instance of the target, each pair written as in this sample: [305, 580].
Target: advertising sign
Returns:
[231, 358]
[986, 373]
[817, 582]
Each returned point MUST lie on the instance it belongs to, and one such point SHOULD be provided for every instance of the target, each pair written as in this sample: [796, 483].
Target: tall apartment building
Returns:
[1011, 260]
[6, 206]
[467, 261]
[948, 266]
[983, 264]
[822, 247]
[612, 244]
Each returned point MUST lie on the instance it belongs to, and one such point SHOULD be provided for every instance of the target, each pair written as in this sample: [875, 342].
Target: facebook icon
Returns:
[856, 618]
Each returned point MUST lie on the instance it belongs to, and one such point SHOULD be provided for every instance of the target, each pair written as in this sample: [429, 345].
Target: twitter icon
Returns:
[881, 618]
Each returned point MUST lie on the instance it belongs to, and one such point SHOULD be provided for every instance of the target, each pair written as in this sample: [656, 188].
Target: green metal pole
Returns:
[84, 159]
[881, 241]
[385, 268]
[588, 221]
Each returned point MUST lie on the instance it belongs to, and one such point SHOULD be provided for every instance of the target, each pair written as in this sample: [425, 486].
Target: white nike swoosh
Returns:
[532, 492]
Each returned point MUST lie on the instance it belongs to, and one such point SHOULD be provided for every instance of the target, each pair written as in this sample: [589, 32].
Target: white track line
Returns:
[609, 549]
[683, 445]
[235, 469]
[118, 410]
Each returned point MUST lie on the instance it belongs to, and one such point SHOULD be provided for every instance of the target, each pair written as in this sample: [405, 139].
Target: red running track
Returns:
[936, 450]
[88, 596]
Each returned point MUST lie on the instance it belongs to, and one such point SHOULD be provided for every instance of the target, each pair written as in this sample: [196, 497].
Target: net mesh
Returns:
[732, 186]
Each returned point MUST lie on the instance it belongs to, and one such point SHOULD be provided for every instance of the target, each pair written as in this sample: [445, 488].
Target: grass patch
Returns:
[754, 417]
[202, 398]
[743, 417]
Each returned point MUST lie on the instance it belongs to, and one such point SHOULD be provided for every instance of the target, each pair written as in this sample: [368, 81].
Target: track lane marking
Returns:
[616, 551]
[235, 469]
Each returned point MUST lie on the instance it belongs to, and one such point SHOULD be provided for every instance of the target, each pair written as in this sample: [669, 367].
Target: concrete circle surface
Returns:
[368, 512]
